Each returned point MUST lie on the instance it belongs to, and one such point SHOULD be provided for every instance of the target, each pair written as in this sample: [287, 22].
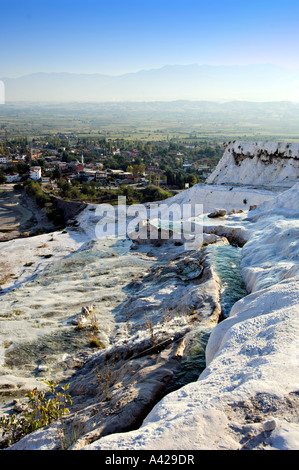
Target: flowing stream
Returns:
[226, 260]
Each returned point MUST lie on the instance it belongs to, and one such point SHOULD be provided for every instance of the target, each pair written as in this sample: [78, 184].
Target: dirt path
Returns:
[19, 213]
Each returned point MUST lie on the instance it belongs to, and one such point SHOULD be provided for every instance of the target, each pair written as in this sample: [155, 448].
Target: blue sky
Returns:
[115, 37]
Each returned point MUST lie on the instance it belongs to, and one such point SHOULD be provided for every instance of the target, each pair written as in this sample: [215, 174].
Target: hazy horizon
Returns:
[258, 83]
[143, 51]
[149, 69]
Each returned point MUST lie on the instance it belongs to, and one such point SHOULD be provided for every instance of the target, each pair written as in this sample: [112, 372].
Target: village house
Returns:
[12, 177]
[116, 151]
[187, 164]
[80, 167]
[20, 157]
[120, 174]
[101, 176]
[74, 163]
[35, 173]
[204, 171]
[86, 175]
[153, 170]
[50, 158]
[116, 173]
[36, 156]
[99, 165]
[46, 179]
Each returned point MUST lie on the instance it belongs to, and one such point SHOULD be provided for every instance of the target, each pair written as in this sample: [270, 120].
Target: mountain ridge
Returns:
[262, 82]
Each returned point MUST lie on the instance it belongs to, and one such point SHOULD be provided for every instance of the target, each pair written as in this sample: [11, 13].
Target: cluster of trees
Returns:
[154, 193]
[179, 178]
[2, 177]
[34, 189]
[93, 192]
[21, 168]
[16, 145]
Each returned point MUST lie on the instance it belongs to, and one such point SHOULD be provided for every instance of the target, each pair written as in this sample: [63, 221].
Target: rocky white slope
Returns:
[248, 395]
[216, 195]
[50, 277]
[258, 163]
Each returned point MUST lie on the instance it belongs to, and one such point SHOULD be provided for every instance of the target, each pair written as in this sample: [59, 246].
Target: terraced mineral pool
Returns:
[226, 260]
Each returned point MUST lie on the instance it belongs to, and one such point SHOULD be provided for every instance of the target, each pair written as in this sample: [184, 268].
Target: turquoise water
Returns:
[194, 363]
[226, 260]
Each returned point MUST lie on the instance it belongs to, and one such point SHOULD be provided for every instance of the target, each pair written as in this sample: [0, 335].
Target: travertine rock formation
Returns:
[260, 163]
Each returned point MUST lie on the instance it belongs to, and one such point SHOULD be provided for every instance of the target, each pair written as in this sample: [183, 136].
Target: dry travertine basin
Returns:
[140, 299]
[149, 324]
[146, 341]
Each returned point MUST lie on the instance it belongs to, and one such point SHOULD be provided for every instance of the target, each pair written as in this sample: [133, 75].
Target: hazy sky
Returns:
[119, 36]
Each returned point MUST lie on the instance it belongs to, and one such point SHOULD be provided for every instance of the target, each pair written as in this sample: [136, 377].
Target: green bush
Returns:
[154, 193]
[34, 189]
[41, 412]
[56, 216]
[2, 177]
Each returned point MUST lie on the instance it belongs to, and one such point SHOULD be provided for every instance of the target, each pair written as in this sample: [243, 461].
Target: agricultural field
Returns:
[157, 121]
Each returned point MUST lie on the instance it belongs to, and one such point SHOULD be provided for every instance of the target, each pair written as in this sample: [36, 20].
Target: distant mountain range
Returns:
[186, 82]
